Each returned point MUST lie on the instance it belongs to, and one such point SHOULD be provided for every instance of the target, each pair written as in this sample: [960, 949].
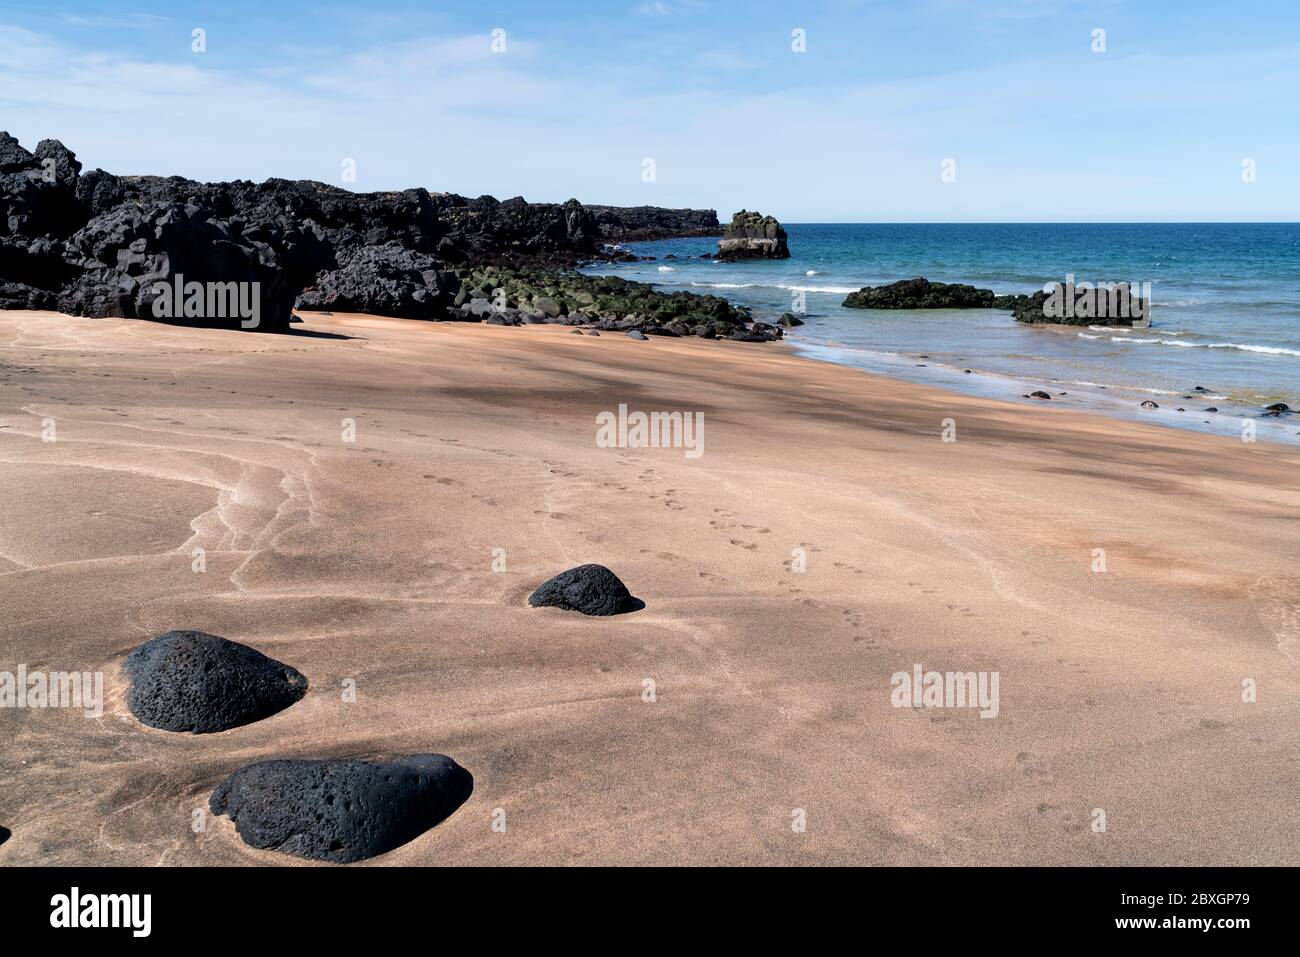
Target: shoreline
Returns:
[371, 561]
[1109, 371]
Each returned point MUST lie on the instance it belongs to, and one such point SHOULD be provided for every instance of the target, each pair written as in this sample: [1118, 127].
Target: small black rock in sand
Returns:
[590, 589]
[341, 811]
[193, 681]
[4, 834]
[636, 334]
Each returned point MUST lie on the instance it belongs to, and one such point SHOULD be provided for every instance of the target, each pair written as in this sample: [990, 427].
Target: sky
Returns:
[893, 111]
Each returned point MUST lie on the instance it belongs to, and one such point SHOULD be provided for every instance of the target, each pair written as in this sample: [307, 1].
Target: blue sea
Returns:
[1225, 313]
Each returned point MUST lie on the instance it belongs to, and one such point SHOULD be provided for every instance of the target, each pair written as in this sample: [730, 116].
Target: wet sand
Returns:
[373, 562]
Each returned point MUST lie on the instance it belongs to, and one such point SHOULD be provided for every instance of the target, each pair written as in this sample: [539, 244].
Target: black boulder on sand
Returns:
[193, 681]
[4, 834]
[590, 589]
[340, 811]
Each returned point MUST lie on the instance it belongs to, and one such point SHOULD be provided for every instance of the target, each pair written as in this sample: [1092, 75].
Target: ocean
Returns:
[1225, 311]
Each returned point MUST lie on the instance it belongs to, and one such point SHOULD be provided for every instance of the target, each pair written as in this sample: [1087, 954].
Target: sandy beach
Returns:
[373, 564]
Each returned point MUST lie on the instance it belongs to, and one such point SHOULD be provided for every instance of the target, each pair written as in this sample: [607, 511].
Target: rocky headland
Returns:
[628, 224]
[98, 244]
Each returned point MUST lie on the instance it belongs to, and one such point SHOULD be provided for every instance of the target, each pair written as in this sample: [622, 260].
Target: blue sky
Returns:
[855, 129]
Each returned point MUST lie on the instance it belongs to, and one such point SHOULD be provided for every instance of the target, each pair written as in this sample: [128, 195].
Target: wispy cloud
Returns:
[1155, 136]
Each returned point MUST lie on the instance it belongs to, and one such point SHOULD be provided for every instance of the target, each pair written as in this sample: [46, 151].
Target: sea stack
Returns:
[753, 236]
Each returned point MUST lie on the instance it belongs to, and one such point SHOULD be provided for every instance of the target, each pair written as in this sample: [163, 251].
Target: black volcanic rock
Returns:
[1038, 309]
[5, 834]
[340, 810]
[38, 191]
[514, 230]
[387, 280]
[921, 293]
[590, 589]
[753, 236]
[125, 253]
[99, 244]
[642, 223]
[196, 682]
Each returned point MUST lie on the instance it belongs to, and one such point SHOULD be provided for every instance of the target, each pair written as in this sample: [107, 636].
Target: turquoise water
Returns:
[1226, 310]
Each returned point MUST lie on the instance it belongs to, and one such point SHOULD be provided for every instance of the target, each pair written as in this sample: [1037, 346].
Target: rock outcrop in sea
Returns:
[200, 683]
[150, 247]
[753, 236]
[341, 810]
[590, 589]
[921, 293]
[1043, 306]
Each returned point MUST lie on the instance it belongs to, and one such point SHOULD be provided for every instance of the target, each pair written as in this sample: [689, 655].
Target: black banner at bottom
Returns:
[333, 905]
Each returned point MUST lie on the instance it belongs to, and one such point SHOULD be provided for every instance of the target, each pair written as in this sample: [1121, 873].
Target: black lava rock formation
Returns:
[590, 589]
[97, 244]
[196, 682]
[388, 280]
[340, 811]
[642, 223]
[921, 293]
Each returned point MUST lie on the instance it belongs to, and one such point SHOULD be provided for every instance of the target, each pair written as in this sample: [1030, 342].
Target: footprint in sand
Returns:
[1033, 766]
[748, 546]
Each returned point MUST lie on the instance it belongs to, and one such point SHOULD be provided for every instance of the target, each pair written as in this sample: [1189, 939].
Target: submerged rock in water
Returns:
[340, 811]
[1277, 408]
[753, 236]
[1040, 394]
[590, 589]
[196, 682]
[1148, 404]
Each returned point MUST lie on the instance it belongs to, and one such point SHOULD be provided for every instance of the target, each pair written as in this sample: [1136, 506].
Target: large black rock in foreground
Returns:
[193, 681]
[753, 236]
[341, 811]
[590, 589]
[4, 834]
